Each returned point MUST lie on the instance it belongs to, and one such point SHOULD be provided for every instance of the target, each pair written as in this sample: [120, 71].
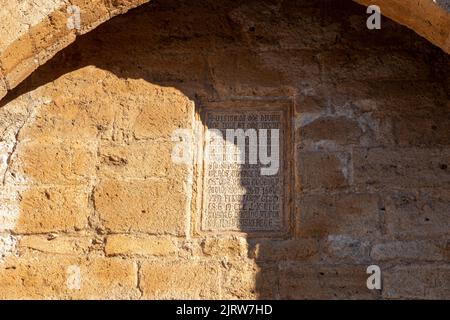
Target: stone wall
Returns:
[93, 206]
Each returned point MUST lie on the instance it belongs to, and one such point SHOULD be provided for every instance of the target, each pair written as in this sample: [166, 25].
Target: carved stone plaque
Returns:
[243, 187]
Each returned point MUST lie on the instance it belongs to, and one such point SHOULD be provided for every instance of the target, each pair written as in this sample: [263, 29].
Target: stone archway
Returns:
[34, 31]
[372, 156]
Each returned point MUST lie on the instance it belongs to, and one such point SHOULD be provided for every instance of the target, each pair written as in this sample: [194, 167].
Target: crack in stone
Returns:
[13, 150]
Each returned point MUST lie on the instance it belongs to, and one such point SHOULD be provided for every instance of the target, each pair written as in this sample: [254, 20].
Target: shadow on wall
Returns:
[370, 130]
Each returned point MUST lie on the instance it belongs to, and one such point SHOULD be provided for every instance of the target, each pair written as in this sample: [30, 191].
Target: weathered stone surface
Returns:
[17, 61]
[52, 243]
[139, 160]
[3, 87]
[303, 281]
[342, 214]
[154, 206]
[346, 249]
[9, 209]
[75, 115]
[228, 78]
[296, 250]
[53, 209]
[360, 66]
[51, 277]
[8, 245]
[180, 279]
[420, 131]
[49, 36]
[93, 12]
[161, 113]
[400, 168]
[410, 250]
[245, 279]
[72, 162]
[416, 282]
[341, 130]
[418, 215]
[225, 246]
[334, 173]
[139, 245]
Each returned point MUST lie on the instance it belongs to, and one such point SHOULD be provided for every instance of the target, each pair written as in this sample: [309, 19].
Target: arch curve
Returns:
[428, 18]
[33, 31]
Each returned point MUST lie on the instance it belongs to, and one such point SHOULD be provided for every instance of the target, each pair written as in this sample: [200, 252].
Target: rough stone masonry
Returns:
[93, 207]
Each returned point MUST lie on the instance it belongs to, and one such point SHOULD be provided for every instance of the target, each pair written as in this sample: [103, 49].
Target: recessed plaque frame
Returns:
[271, 225]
